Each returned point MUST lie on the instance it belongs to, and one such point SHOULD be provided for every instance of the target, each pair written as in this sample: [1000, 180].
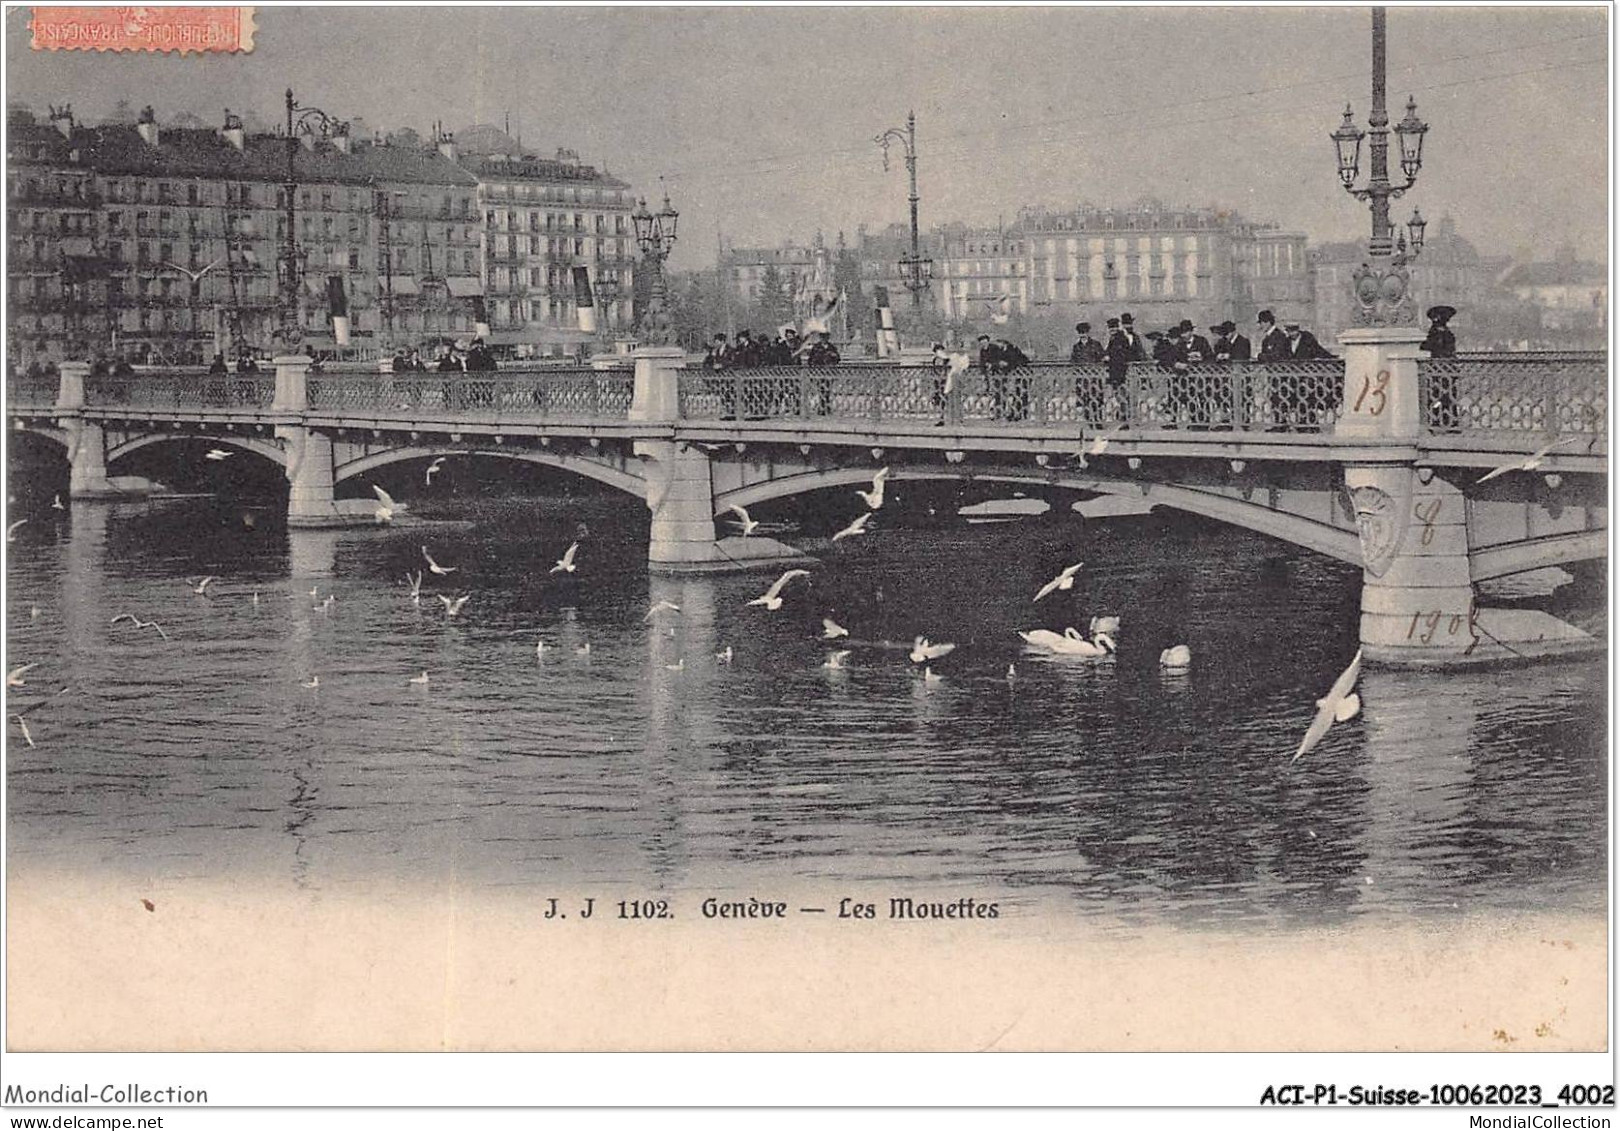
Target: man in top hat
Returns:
[1441, 342]
[1123, 348]
[1088, 389]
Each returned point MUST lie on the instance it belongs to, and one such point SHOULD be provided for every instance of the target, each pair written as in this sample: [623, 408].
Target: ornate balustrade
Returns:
[1285, 397]
[1553, 393]
[23, 392]
[181, 390]
[552, 393]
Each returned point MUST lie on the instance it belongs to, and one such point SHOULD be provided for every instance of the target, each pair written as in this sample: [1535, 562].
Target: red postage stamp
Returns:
[143, 29]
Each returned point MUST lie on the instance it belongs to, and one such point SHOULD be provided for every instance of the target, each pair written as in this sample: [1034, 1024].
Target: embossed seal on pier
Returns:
[142, 29]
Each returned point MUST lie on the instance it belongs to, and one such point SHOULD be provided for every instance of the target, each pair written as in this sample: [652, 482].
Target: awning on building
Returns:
[401, 284]
[464, 286]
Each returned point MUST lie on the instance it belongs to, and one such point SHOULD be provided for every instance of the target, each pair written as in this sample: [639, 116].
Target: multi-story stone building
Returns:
[165, 242]
[1449, 270]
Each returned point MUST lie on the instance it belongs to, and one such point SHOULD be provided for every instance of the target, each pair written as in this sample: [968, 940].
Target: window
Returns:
[192, 194]
[354, 259]
[166, 253]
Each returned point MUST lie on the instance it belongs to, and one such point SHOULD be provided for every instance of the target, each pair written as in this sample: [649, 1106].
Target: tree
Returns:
[773, 304]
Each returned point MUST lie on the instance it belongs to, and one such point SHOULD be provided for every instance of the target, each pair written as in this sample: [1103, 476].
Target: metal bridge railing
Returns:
[1283, 397]
[553, 393]
[24, 392]
[1516, 393]
[181, 390]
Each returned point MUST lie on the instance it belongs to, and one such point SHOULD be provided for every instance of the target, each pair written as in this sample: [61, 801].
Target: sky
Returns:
[761, 121]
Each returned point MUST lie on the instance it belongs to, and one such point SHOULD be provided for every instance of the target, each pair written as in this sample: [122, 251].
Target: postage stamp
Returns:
[143, 29]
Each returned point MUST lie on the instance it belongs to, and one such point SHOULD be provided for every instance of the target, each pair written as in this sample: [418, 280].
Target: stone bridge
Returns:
[1375, 460]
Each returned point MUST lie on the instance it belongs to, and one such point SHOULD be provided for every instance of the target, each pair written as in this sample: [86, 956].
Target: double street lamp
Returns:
[655, 235]
[1382, 284]
[300, 120]
[916, 269]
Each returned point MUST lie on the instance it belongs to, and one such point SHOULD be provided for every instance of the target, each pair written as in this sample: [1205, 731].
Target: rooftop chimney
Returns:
[147, 126]
[62, 119]
[233, 131]
[447, 145]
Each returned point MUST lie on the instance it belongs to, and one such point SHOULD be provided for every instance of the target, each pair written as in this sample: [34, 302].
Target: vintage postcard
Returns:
[862, 529]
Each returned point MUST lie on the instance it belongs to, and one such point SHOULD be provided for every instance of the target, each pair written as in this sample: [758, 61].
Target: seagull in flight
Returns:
[57, 504]
[217, 454]
[415, 582]
[1531, 464]
[313, 682]
[922, 650]
[772, 597]
[11, 531]
[435, 566]
[874, 497]
[385, 505]
[565, 564]
[22, 722]
[1064, 580]
[199, 585]
[835, 660]
[432, 469]
[831, 629]
[452, 608]
[658, 608]
[1340, 705]
[14, 678]
[194, 276]
[139, 623]
[747, 523]
[854, 528]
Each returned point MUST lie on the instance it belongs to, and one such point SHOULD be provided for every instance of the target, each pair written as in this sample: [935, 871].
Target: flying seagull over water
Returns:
[385, 505]
[772, 597]
[199, 585]
[1340, 705]
[836, 659]
[313, 682]
[922, 650]
[12, 529]
[432, 469]
[1531, 464]
[660, 607]
[874, 497]
[217, 454]
[415, 582]
[57, 504]
[1064, 580]
[435, 566]
[453, 608]
[14, 678]
[22, 722]
[565, 564]
[421, 679]
[831, 629]
[748, 524]
[854, 528]
[139, 623]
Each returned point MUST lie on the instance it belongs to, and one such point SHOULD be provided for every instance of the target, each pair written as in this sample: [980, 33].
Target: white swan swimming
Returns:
[1070, 642]
[1178, 657]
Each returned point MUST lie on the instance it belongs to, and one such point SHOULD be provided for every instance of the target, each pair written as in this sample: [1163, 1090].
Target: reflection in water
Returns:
[646, 764]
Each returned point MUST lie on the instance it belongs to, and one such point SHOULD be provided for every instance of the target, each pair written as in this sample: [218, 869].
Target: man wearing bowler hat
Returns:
[1229, 346]
[1121, 350]
[1273, 348]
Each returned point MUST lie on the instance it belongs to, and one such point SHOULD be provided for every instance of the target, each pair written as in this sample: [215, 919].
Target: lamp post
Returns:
[607, 293]
[915, 269]
[655, 235]
[1383, 284]
[306, 120]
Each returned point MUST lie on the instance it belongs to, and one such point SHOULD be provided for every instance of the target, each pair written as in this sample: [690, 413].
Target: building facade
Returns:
[1449, 271]
[166, 243]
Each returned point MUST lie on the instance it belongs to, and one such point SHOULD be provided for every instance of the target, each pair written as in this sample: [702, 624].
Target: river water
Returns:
[648, 766]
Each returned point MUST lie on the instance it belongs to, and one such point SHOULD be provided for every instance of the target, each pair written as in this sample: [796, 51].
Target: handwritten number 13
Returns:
[1376, 387]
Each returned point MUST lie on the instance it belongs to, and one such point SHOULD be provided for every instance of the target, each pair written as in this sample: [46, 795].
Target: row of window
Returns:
[555, 194]
[600, 223]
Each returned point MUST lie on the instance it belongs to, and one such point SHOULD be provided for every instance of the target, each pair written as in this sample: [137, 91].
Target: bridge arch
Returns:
[58, 436]
[266, 449]
[1332, 541]
[598, 470]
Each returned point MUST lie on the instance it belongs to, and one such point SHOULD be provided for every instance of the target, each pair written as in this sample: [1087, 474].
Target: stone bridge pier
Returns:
[1419, 606]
